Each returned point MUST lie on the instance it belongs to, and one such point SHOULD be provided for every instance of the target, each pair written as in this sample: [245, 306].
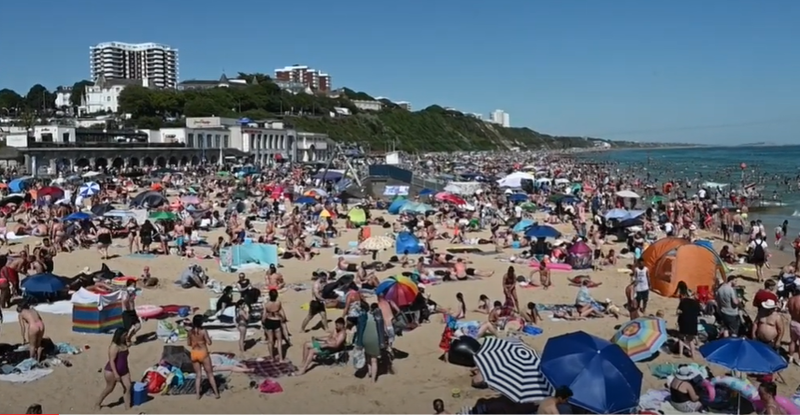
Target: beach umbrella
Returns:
[426, 192]
[12, 199]
[657, 198]
[628, 194]
[190, 200]
[316, 192]
[641, 338]
[528, 206]
[19, 184]
[305, 200]
[52, 191]
[402, 290]
[376, 243]
[522, 225]
[542, 231]
[518, 197]
[89, 189]
[743, 355]
[512, 369]
[150, 198]
[163, 216]
[44, 283]
[616, 214]
[603, 379]
[77, 217]
[102, 209]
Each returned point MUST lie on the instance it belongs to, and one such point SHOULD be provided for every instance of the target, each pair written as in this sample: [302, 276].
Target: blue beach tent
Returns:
[406, 241]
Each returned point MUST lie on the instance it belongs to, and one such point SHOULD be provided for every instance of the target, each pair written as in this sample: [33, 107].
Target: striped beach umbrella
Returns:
[89, 189]
[512, 369]
[641, 338]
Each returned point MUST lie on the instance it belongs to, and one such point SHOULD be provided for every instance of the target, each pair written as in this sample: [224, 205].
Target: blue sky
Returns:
[710, 71]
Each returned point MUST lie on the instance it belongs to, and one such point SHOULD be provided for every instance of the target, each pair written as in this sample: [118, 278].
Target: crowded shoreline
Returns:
[568, 245]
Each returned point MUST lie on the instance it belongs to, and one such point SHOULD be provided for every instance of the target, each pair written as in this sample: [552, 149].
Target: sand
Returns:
[419, 378]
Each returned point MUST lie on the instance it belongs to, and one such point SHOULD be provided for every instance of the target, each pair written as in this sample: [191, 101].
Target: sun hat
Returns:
[768, 304]
[686, 372]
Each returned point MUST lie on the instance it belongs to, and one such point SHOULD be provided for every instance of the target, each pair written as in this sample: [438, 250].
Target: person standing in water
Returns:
[116, 369]
[198, 341]
[32, 328]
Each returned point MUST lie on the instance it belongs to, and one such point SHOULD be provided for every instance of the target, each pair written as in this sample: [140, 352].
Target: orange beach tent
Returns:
[657, 249]
[693, 264]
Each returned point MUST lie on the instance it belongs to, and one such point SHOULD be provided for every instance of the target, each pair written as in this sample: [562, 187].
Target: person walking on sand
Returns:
[117, 370]
[317, 304]
[198, 341]
[32, 328]
[758, 255]
[641, 279]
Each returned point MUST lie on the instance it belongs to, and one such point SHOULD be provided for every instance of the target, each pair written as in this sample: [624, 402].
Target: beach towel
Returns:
[227, 336]
[464, 250]
[327, 309]
[141, 255]
[188, 386]
[26, 377]
[269, 369]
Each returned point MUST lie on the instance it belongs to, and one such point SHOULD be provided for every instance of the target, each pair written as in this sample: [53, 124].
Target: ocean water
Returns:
[775, 170]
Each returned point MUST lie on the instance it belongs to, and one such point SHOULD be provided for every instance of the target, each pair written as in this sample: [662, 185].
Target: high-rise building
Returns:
[154, 62]
[501, 117]
[308, 77]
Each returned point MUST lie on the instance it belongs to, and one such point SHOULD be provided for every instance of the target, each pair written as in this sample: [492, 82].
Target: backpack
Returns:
[758, 252]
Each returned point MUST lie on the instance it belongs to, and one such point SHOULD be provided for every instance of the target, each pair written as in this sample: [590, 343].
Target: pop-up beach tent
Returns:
[406, 241]
[239, 257]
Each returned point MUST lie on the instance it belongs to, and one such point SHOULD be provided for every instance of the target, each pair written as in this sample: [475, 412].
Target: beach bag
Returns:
[359, 360]
[758, 252]
[155, 381]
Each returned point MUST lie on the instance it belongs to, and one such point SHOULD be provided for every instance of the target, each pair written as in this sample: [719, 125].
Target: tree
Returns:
[10, 102]
[39, 99]
[78, 90]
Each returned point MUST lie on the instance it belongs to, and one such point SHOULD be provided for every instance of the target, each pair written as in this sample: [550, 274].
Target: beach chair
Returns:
[338, 358]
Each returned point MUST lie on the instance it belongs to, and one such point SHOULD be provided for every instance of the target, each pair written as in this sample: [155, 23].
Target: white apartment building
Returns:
[500, 117]
[117, 60]
[102, 96]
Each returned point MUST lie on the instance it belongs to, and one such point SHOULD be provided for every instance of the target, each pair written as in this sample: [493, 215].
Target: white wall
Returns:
[97, 99]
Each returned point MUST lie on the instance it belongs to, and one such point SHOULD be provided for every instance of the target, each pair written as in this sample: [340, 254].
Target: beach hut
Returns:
[96, 313]
[579, 256]
[657, 249]
[695, 265]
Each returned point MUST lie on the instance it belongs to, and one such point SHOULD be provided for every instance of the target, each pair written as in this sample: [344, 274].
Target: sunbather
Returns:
[323, 347]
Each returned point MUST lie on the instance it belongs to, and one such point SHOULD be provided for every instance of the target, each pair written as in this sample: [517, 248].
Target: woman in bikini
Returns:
[272, 321]
[199, 341]
[133, 236]
[32, 328]
[242, 318]
[103, 240]
[117, 370]
[510, 290]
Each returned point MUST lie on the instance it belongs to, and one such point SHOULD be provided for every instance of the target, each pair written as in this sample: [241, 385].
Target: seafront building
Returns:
[152, 61]
[500, 117]
[103, 96]
[57, 148]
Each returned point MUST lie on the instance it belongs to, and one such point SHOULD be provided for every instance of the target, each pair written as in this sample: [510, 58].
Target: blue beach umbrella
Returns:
[18, 185]
[603, 379]
[522, 225]
[542, 231]
[305, 201]
[518, 197]
[44, 283]
[743, 355]
[77, 216]
[426, 192]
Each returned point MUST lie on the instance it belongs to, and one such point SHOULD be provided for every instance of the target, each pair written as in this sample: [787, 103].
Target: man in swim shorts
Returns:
[324, 346]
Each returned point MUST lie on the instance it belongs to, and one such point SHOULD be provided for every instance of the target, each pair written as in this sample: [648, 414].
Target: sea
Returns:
[774, 169]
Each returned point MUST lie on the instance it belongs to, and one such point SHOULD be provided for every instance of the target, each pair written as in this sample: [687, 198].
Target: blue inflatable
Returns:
[398, 203]
[407, 242]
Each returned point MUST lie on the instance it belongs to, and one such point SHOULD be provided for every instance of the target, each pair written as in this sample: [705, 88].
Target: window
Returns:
[65, 138]
[226, 141]
[200, 141]
[108, 98]
[217, 141]
[208, 141]
[190, 140]
[283, 142]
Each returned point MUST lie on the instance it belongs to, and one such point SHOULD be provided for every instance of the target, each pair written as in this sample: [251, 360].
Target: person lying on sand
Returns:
[464, 273]
[584, 301]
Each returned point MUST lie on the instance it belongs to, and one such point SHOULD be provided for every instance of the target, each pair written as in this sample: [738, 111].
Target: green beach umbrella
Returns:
[163, 216]
[528, 206]
[657, 198]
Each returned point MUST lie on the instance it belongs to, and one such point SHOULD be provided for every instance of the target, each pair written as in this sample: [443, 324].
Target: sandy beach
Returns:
[420, 377]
